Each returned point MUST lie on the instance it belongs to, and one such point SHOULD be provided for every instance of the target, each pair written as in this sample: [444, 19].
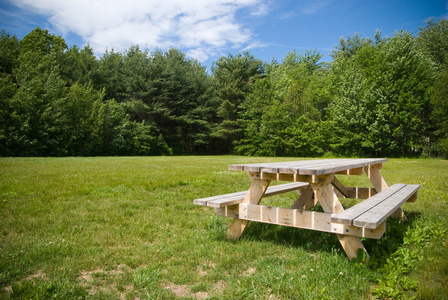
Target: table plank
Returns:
[308, 167]
[289, 167]
[339, 166]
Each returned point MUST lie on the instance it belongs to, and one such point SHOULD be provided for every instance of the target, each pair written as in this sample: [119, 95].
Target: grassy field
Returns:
[126, 228]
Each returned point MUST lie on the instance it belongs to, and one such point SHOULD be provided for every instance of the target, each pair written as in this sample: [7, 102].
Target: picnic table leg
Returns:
[253, 196]
[331, 204]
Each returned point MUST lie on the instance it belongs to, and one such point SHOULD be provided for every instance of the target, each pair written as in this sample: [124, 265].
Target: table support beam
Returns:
[305, 199]
[373, 172]
[297, 218]
[253, 196]
[341, 188]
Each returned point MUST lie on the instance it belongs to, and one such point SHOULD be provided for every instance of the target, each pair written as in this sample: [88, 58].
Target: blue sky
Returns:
[209, 29]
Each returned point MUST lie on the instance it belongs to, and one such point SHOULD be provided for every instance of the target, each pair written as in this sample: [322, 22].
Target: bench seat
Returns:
[373, 211]
[235, 198]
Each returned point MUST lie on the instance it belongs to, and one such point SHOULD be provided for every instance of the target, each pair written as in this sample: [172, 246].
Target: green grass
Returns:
[126, 227]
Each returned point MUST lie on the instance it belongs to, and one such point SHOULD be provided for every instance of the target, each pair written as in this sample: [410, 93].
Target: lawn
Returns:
[126, 228]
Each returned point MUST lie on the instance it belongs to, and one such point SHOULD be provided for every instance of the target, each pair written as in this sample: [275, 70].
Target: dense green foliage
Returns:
[378, 97]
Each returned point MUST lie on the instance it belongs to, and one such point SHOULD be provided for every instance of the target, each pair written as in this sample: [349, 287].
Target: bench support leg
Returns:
[253, 196]
[331, 204]
[399, 214]
[351, 244]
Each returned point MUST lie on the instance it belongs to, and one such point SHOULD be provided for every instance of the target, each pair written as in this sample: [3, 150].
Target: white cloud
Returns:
[256, 45]
[313, 6]
[261, 10]
[199, 27]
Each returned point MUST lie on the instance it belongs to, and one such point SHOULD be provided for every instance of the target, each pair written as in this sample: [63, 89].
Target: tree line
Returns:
[380, 96]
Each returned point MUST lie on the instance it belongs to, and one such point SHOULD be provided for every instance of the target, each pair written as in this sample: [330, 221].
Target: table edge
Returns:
[327, 167]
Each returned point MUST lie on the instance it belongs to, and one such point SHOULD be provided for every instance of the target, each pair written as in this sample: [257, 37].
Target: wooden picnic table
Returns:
[316, 182]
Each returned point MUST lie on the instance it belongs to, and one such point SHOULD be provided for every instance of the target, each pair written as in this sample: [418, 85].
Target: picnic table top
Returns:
[309, 167]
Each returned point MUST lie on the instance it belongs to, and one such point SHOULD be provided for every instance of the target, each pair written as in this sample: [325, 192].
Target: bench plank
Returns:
[347, 216]
[203, 201]
[238, 197]
[378, 214]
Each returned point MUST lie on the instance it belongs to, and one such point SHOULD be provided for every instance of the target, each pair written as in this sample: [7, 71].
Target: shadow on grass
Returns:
[380, 250]
[316, 241]
[309, 240]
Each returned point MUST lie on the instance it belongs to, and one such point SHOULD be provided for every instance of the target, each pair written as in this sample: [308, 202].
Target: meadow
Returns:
[126, 228]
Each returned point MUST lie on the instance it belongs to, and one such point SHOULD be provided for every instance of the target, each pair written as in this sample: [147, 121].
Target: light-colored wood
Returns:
[373, 172]
[330, 166]
[309, 167]
[305, 199]
[399, 214]
[331, 205]
[347, 216]
[238, 197]
[380, 185]
[260, 175]
[302, 219]
[357, 192]
[254, 195]
[413, 198]
[230, 211]
[378, 208]
[356, 171]
[340, 187]
[361, 193]
[326, 196]
[379, 213]
[340, 196]
[271, 191]
[305, 178]
[275, 166]
[351, 245]
[320, 176]
[284, 188]
[235, 198]
[283, 177]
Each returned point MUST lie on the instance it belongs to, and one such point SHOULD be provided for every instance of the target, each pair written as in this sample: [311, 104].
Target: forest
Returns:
[379, 96]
